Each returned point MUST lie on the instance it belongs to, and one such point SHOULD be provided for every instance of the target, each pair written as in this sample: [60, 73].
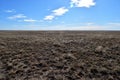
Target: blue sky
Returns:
[59, 15]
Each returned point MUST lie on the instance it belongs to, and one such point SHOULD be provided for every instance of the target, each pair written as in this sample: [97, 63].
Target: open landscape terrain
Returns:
[59, 55]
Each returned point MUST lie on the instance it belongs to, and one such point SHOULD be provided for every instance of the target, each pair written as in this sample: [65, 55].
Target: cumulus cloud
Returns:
[18, 16]
[82, 3]
[57, 12]
[29, 20]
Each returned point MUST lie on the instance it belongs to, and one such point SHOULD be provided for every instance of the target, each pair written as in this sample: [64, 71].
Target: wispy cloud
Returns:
[57, 12]
[23, 18]
[29, 20]
[82, 3]
[83, 26]
[18, 16]
[60, 11]
[93, 27]
[114, 24]
[63, 27]
[73, 3]
[10, 11]
[49, 17]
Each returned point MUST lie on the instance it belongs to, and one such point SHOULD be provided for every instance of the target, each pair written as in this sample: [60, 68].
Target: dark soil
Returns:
[59, 55]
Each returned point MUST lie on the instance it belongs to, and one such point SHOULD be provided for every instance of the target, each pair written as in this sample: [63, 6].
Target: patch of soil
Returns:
[59, 55]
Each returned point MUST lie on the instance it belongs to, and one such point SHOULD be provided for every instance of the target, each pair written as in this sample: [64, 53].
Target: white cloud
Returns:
[10, 11]
[74, 3]
[80, 28]
[60, 11]
[18, 16]
[94, 27]
[29, 20]
[49, 17]
[65, 27]
[89, 28]
[114, 24]
[23, 18]
[57, 12]
[82, 3]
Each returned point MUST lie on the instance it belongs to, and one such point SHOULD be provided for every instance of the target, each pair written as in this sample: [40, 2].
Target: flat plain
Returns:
[59, 55]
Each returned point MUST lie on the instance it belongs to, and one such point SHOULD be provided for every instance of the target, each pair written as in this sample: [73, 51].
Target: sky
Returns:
[59, 15]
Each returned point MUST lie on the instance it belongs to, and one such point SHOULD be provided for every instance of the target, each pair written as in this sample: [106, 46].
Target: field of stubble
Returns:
[59, 55]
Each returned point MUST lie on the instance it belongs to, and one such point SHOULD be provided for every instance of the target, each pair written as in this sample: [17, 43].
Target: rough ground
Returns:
[62, 55]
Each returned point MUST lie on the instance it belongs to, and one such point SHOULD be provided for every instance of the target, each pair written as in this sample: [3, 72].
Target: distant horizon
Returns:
[76, 15]
[66, 30]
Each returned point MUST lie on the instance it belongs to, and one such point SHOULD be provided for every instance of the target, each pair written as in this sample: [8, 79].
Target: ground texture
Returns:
[59, 55]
